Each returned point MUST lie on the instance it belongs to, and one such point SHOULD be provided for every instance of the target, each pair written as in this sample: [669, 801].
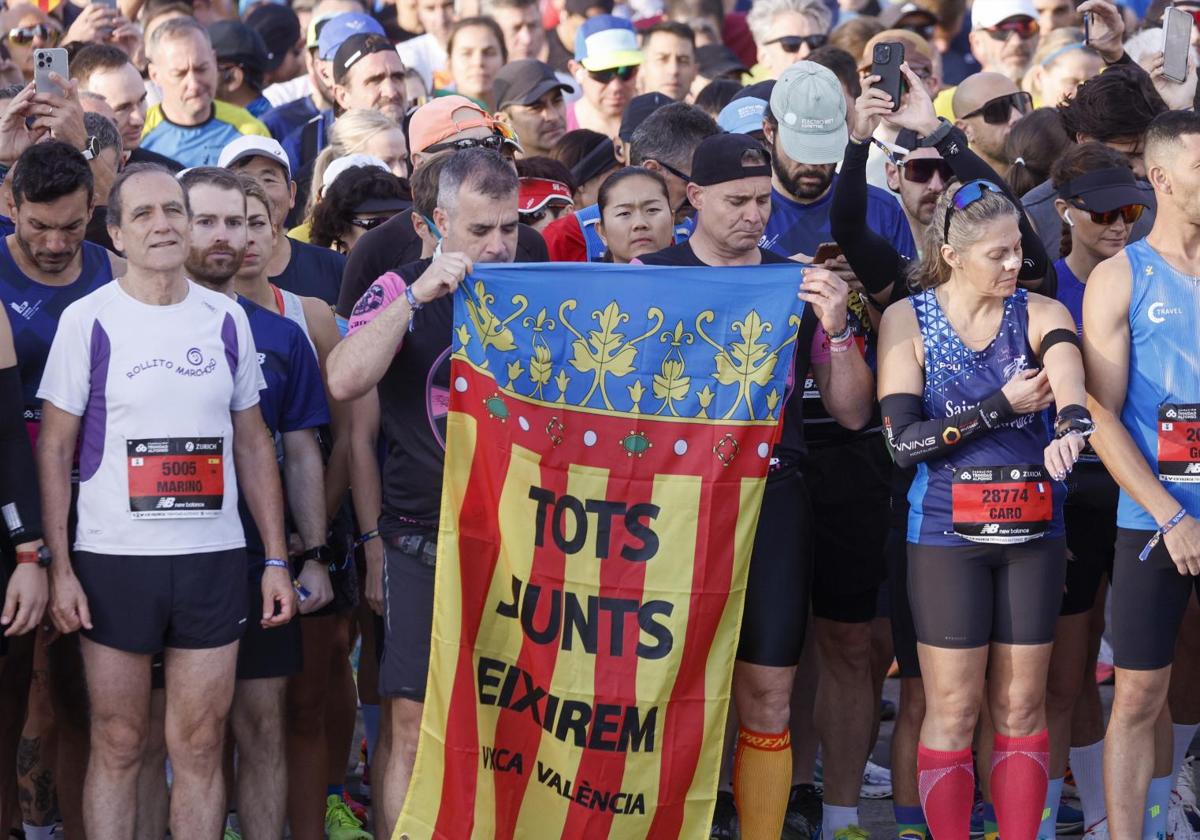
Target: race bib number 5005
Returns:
[175, 477]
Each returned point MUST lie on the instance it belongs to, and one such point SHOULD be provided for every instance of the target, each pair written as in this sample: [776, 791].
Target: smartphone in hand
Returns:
[1177, 40]
[51, 60]
[886, 59]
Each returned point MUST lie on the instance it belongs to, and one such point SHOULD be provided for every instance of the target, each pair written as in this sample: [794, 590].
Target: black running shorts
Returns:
[968, 596]
[1148, 600]
[408, 577]
[142, 604]
[850, 486]
[267, 652]
[1091, 519]
[776, 606]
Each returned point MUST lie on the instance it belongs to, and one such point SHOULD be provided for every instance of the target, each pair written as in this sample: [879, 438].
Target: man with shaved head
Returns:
[986, 106]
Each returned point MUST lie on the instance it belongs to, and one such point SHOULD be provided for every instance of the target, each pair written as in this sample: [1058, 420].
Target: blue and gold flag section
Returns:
[608, 439]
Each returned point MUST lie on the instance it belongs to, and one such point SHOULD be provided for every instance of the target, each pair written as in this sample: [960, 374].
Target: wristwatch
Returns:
[91, 148]
[42, 557]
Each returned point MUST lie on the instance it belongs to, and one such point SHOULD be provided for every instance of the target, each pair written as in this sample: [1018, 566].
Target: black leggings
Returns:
[968, 596]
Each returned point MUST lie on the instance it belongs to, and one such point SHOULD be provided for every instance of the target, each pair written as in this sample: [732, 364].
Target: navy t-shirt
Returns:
[286, 118]
[294, 398]
[796, 228]
[312, 272]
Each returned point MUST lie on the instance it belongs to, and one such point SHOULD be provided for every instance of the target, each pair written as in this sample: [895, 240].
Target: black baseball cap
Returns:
[599, 159]
[581, 7]
[638, 109]
[729, 157]
[354, 49]
[717, 61]
[525, 81]
[236, 43]
[279, 29]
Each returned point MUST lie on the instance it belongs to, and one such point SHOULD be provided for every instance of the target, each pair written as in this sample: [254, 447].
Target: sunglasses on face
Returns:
[23, 36]
[492, 141]
[370, 222]
[606, 76]
[997, 111]
[1130, 213]
[967, 195]
[792, 43]
[921, 170]
[1025, 27]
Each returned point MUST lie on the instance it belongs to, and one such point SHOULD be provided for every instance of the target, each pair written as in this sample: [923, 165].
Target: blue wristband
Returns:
[274, 561]
[1160, 533]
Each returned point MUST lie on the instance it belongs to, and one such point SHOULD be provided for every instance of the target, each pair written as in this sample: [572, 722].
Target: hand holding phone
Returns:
[1177, 40]
[46, 61]
[826, 251]
[886, 59]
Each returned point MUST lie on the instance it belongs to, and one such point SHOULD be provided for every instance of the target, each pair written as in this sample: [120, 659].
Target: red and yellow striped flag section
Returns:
[608, 439]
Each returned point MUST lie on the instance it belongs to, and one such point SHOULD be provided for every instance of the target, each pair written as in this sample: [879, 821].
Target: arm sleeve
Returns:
[247, 378]
[969, 166]
[912, 438]
[375, 299]
[874, 260]
[19, 500]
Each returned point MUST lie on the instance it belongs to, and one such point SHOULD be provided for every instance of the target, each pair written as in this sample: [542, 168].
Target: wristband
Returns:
[938, 134]
[1160, 533]
[1073, 419]
[318, 554]
[275, 561]
[843, 337]
[413, 305]
[363, 539]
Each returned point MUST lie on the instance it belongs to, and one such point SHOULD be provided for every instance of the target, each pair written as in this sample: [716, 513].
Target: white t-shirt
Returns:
[155, 386]
[281, 93]
[425, 55]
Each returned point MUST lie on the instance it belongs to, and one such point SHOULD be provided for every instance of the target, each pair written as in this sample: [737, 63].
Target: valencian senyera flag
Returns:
[608, 437]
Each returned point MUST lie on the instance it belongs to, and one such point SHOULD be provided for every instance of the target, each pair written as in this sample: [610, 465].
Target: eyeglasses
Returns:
[605, 76]
[997, 111]
[1130, 213]
[683, 176]
[1025, 27]
[921, 170]
[792, 43]
[492, 141]
[967, 195]
[552, 211]
[370, 222]
[23, 36]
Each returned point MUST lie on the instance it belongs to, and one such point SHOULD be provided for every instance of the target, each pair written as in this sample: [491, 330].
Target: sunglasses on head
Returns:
[792, 43]
[1025, 27]
[606, 76]
[967, 195]
[921, 170]
[997, 111]
[492, 141]
[25, 35]
[1130, 213]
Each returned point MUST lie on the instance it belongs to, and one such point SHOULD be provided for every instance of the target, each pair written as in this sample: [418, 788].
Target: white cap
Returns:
[251, 145]
[340, 165]
[987, 13]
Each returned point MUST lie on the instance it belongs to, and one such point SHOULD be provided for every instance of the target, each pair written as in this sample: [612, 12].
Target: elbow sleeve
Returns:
[19, 500]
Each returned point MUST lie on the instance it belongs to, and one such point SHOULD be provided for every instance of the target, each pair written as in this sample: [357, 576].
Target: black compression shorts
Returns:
[904, 632]
[1148, 600]
[968, 596]
[777, 591]
[267, 652]
[141, 604]
[1090, 513]
[850, 487]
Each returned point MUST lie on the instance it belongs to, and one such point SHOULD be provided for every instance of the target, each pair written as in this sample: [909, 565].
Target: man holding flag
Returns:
[731, 191]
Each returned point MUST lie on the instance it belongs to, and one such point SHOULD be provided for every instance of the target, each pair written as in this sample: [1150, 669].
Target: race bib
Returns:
[1179, 442]
[175, 477]
[1012, 504]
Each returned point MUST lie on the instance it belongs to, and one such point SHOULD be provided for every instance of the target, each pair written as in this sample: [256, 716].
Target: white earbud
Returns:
[1067, 218]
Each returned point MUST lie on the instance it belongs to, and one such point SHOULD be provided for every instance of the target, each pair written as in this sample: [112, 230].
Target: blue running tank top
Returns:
[34, 309]
[1164, 379]
[958, 379]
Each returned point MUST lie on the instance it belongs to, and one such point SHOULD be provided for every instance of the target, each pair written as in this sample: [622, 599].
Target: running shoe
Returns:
[1186, 780]
[877, 782]
[357, 808]
[804, 811]
[1105, 673]
[1070, 820]
[340, 823]
[724, 824]
[850, 832]
[230, 834]
[977, 820]
[1098, 831]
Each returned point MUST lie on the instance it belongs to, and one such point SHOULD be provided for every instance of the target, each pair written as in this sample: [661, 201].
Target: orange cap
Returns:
[444, 117]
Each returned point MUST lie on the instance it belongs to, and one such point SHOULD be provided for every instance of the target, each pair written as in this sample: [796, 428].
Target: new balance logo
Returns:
[990, 528]
[165, 503]
[1192, 469]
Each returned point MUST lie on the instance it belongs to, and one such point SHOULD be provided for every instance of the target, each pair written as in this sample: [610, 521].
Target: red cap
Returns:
[536, 193]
